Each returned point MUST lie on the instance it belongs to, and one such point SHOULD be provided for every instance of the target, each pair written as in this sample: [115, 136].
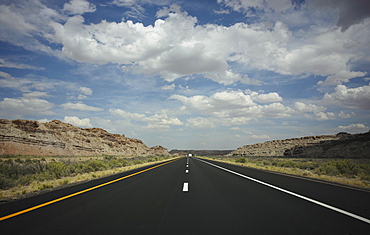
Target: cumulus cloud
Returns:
[27, 105]
[169, 87]
[265, 98]
[175, 45]
[80, 7]
[80, 106]
[219, 104]
[308, 108]
[200, 123]
[124, 114]
[85, 90]
[342, 114]
[228, 77]
[353, 128]
[312, 111]
[357, 98]
[156, 121]
[234, 104]
[85, 122]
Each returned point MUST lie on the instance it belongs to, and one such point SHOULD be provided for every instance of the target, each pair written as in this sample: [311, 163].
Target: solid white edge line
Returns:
[294, 194]
[185, 188]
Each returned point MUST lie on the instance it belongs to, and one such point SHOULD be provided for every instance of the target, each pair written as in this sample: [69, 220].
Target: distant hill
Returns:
[24, 137]
[200, 152]
[341, 145]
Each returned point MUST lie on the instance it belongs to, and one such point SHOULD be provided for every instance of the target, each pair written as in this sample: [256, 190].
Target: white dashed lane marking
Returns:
[185, 188]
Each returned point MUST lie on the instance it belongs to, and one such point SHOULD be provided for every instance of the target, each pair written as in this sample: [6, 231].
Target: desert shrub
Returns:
[45, 186]
[241, 160]
[339, 168]
[5, 182]
[97, 165]
[15, 171]
[347, 168]
[80, 168]
[286, 163]
[58, 169]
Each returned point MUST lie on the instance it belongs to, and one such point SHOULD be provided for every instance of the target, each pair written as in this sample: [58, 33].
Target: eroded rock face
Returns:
[341, 145]
[26, 137]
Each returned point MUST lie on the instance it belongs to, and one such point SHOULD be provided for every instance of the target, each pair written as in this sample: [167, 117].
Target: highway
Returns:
[192, 196]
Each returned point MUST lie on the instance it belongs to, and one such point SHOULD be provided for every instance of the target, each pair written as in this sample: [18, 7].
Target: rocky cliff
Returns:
[25, 137]
[341, 145]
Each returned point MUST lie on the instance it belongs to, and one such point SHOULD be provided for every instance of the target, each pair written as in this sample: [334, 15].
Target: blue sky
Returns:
[189, 74]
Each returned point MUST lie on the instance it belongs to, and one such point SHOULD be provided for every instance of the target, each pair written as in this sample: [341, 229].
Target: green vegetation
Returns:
[16, 171]
[355, 172]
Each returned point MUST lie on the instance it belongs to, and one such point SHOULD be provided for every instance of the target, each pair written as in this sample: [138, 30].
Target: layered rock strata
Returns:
[341, 145]
[24, 137]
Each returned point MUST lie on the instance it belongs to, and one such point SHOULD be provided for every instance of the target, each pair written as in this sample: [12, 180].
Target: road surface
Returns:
[192, 196]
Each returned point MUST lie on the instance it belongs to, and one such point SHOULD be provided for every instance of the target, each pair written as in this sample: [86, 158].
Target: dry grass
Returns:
[359, 181]
[35, 187]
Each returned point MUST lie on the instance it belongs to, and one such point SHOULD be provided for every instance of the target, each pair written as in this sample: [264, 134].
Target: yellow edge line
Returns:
[78, 193]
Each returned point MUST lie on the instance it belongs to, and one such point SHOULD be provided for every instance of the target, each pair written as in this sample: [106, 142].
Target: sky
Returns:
[206, 74]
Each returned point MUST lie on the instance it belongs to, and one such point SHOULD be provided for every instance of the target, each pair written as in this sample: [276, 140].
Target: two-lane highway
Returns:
[193, 196]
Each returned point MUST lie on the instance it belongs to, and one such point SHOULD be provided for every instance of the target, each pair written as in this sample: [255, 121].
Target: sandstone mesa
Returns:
[341, 145]
[56, 138]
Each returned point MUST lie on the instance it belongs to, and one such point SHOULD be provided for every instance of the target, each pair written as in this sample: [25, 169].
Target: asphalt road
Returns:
[167, 199]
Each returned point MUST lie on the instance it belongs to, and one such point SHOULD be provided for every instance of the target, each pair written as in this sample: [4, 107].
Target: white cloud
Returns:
[85, 122]
[176, 45]
[321, 116]
[308, 108]
[85, 90]
[156, 121]
[80, 106]
[124, 114]
[44, 120]
[260, 137]
[14, 20]
[169, 87]
[35, 94]
[162, 119]
[265, 5]
[8, 64]
[346, 115]
[21, 20]
[266, 98]
[36, 86]
[312, 111]
[353, 128]
[228, 77]
[358, 98]
[235, 104]
[79, 7]
[20, 107]
[218, 104]
[200, 122]
[340, 77]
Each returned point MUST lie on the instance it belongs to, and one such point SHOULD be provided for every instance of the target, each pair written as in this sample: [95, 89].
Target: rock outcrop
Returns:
[23, 137]
[341, 145]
